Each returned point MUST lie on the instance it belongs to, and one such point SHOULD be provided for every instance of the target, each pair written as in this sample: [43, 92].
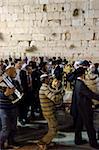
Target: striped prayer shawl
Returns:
[48, 100]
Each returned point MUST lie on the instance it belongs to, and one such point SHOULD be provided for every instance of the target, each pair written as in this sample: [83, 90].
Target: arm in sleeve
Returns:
[88, 93]
[55, 98]
[2, 96]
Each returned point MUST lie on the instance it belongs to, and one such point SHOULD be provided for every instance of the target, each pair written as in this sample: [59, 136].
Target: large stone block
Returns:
[50, 16]
[52, 43]
[35, 30]
[12, 43]
[26, 17]
[82, 34]
[44, 30]
[84, 43]
[11, 9]
[0, 10]
[3, 24]
[68, 15]
[27, 8]
[62, 15]
[77, 22]
[32, 16]
[36, 8]
[66, 22]
[44, 16]
[56, 15]
[60, 7]
[14, 17]
[67, 6]
[94, 43]
[14, 3]
[44, 1]
[20, 17]
[17, 9]
[3, 17]
[22, 37]
[23, 43]
[1, 3]
[52, 7]
[38, 37]
[35, 1]
[21, 30]
[89, 22]
[55, 37]
[42, 44]
[58, 1]
[23, 2]
[36, 23]
[79, 4]
[5, 9]
[22, 24]
[51, 1]
[11, 24]
[89, 13]
[5, 2]
[3, 44]
[38, 16]
[7, 17]
[54, 23]
[96, 13]
[60, 43]
[94, 4]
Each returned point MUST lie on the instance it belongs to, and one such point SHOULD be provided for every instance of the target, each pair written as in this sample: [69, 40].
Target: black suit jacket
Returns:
[36, 80]
[82, 99]
[24, 83]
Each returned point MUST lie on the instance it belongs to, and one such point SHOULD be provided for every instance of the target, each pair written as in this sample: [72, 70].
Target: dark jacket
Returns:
[36, 80]
[58, 72]
[24, 82]
[82, 99]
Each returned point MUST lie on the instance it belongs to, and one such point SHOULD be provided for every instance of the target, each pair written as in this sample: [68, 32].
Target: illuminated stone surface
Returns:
[40, 22]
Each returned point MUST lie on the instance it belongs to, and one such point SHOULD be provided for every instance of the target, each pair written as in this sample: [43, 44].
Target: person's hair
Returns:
[43, 79]
[80, 71]
[53, 62]
[32, 64]
[27, 67]
[6, 61]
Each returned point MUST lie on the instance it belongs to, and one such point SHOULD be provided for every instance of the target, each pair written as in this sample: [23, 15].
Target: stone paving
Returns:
[28, 136]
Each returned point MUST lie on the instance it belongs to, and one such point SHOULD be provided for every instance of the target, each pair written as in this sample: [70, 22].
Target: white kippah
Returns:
[43, 76]
[9, 66]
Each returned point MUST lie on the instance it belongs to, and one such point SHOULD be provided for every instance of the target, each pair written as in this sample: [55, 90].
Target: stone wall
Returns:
[53, 27]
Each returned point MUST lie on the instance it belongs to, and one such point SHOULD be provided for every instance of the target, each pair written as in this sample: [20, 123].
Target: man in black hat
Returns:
[82, 111]
[85, 64]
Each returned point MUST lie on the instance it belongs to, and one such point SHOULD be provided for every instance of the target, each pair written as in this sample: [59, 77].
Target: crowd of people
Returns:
[28, 87]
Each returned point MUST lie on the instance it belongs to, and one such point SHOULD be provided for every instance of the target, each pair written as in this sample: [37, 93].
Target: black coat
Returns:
[82, 99]
[36, 80]
[58, 72]
[24, 82]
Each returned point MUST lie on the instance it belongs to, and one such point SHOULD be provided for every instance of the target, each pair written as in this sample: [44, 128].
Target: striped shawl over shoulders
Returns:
[48, 100]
